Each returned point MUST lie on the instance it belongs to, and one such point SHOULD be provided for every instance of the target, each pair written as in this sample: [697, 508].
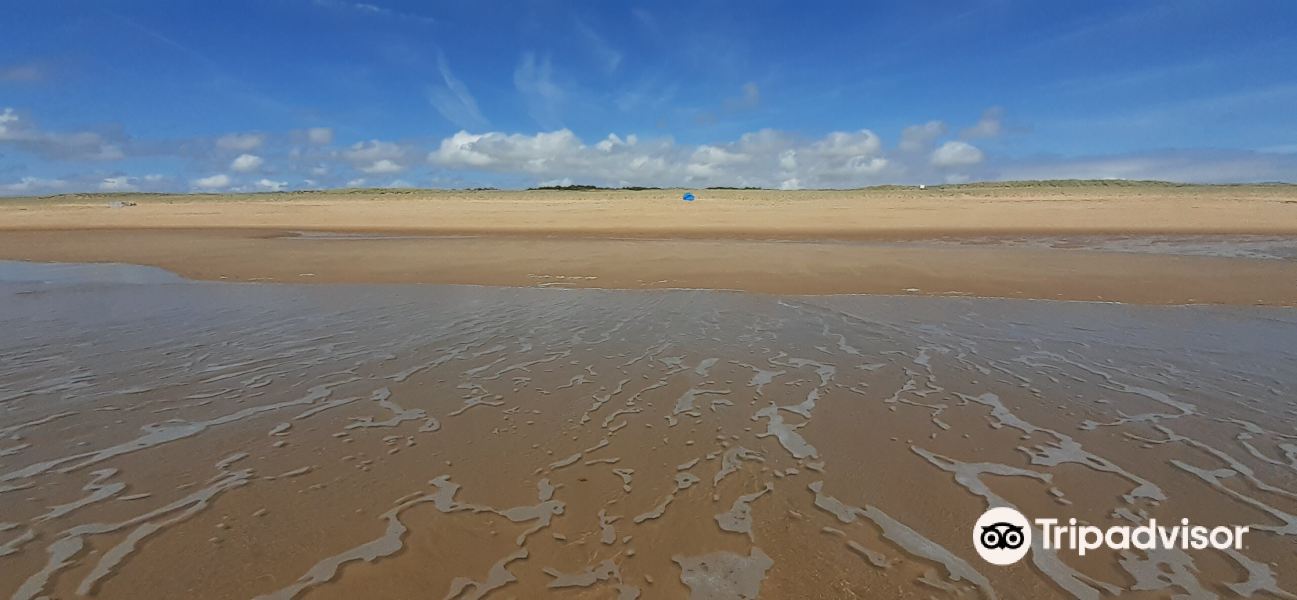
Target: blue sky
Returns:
[290, 94]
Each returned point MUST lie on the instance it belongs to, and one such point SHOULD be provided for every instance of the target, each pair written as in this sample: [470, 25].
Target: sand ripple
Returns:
[214, 440]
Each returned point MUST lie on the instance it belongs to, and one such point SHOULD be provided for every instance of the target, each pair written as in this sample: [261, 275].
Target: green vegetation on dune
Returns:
[588, 188]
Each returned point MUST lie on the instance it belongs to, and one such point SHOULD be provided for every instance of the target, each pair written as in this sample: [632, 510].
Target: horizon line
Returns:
[596, 188]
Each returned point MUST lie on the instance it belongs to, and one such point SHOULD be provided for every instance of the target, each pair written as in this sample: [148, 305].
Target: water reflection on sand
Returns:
[240, 440]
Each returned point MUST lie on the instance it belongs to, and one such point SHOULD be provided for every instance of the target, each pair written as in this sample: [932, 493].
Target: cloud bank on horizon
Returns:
[307, 94]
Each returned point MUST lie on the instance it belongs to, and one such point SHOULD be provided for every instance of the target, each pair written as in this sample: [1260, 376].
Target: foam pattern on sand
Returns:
[228, 440]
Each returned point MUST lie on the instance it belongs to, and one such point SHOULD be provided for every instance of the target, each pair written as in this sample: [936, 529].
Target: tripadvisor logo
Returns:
[1002, 536]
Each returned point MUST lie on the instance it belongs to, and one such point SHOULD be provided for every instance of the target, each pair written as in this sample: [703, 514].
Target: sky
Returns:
[269, 95]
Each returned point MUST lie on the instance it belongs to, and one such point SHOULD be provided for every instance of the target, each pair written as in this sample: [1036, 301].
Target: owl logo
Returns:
[1002, 536]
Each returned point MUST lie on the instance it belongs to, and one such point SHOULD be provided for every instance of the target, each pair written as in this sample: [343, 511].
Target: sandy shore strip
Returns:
[877, 241]
[881, 213]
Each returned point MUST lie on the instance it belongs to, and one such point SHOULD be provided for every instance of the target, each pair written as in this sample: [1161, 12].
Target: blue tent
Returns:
[689, 197]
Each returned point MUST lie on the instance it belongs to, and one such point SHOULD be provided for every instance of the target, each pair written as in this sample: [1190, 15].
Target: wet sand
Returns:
[1139, 270]
[169, 438]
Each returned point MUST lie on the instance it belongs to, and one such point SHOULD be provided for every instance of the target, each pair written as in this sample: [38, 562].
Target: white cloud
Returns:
[240, 142]
[118, 184]
[648, 95]
[598, 48]
[765, 158]
[709, 162]
[320, 136]
[534, 79]
[246, 162]
[533, 154]
[924, 153]
[27, 137]
[990, 125]
[712, 155]
[380, 167]
[788, 160]
[273, 186]
[452, 99]
[32, 185]
[377, 157]
[838, 143]
[956, 154]
[460, 150]
[1188, 166]
[374, 10]
[613, 141]
[918, 138]
[214, 182]
[373, 150]
[841, 158]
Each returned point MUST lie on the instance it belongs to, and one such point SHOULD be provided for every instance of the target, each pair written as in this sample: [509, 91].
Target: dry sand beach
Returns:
[1144, 243]
[271, 401]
